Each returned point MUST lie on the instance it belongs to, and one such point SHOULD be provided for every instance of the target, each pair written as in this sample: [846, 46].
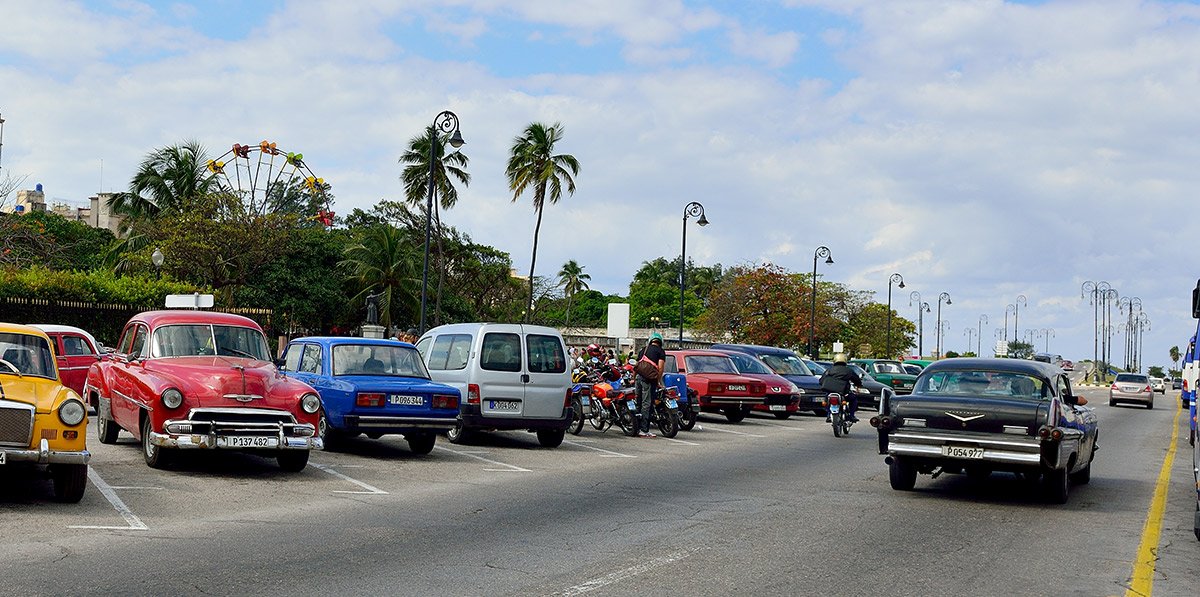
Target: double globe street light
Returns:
[444, 122]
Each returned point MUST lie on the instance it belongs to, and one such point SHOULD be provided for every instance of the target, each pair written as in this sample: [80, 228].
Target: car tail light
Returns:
[834, 399]
[897, 382]
[1114, 387]
[365, 399]
[445, 401]
[472, 393]
[1044, 433]
[1148, 389]
[673, 392]
[716, 388]
[567, 398]
[875, 421]
[1056, 434]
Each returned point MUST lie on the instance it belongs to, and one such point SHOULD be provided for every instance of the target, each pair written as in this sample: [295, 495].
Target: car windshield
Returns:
[709, 364]
[368, 359]
[197, 339]
[748, 364]
[815, 367]
[27, 355]
[888, 367]
[786, 364]
[980, 383]
[1131, 378]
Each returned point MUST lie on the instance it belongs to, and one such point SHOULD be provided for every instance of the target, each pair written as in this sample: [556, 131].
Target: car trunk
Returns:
[989, 415]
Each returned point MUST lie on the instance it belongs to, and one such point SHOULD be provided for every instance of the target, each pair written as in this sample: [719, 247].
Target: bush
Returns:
[99, 286]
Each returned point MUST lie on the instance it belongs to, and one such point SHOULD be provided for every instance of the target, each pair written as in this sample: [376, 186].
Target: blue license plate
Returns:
[833, 408]
[672, 403]
[633, 405]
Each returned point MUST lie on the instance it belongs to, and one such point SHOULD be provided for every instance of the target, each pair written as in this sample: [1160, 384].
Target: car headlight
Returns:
[172, 398]
[311, 403]
[72, 412]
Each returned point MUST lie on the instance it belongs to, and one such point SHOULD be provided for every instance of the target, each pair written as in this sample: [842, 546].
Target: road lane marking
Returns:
[607, 453]
[734, 432]
[370, 489]
[123, 487]
[620, 575]
[770, 424]
[1142, 582]
[680, 441]
[509, 468]
[134, 523]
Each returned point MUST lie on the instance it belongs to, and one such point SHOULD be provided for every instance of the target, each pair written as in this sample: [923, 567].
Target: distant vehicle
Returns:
[976, 416]
[786, 363]
[1158, 384]
[871, 390]
[719, 386]
[1068, 365]
[889, 373]
[912, 368]
[1177, 383]
[1046, 357]
[782, 397]
[75, 350]
[1131, 387]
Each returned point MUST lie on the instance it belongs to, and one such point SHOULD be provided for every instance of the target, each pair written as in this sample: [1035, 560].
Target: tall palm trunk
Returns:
[570, 297]
[533, 260]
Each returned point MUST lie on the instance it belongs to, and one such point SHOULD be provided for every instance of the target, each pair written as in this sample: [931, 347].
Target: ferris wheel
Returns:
[263, 175]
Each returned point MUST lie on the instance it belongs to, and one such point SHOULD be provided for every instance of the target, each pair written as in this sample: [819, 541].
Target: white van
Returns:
[513, 376]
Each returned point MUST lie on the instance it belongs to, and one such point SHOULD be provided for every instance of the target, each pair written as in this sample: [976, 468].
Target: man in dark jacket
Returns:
[839, 378]
[646, 388]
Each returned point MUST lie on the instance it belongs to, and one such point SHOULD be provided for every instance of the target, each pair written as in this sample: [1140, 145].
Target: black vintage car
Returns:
[976, 416]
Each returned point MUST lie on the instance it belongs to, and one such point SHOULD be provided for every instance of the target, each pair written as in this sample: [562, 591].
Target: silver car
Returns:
[1131, 387]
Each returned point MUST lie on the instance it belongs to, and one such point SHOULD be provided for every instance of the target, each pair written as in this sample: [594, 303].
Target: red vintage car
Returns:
[75, 350]
[719, 386]
[782, 396]
[201, 380]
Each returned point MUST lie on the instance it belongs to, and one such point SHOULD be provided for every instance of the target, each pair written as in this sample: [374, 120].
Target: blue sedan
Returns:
[372, 387]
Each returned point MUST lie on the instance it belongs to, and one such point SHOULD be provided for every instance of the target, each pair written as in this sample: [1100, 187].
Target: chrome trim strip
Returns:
[274, 412]
[974, 438]
[988, 455]
[48, 456]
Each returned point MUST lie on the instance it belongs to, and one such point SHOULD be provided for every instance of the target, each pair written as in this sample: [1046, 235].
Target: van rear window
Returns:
[501, 352]
[546, 354]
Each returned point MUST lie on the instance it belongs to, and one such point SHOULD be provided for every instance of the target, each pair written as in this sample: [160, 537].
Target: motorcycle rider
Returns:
[646, 388]
[839, 379]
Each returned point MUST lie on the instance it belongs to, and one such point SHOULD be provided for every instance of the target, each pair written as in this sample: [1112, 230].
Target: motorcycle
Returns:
[838, 415]
[665, 413]
[581, 393]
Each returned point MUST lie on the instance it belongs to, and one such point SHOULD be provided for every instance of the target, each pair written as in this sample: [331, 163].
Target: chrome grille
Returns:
[16, 424]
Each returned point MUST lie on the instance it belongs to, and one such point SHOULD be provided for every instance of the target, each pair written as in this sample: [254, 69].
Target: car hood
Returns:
[971, 413]
[806, 382]
[208, 382]
[40, 392]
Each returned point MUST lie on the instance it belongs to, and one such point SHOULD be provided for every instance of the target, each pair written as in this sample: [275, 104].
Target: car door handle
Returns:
[525, 378]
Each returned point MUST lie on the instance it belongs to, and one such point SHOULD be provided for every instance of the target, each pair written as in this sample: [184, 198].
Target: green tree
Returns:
[1156, 371]
[532, 164]
[759, 305]
[384, 261]
[46, 238]
[166, 179]
[867, 326]
[573, 280]
[1175, 355]
[1020, 350]
[303, 284]
[415, 177]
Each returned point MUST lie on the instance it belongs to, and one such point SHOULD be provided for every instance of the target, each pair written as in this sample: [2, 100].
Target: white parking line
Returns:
[620, 575]
[509, 468]
[680, 441]
[770, 424]
[370, 489]
[734, 432]
[135, 523]
[134, 487]
[607, 453]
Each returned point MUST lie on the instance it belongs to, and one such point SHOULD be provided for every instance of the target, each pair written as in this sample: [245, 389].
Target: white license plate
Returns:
[585, 400]
[737, 387]
[406, 400]
[247, 441]
[512, 406]
[3, 457]
[778, 407]
[672, 403]
[961, 452]
[833, 408]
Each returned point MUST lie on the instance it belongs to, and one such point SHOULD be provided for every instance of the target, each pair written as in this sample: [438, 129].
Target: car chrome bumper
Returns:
[373, 423]
[44, 455]
[208, 441]
[1011, 451]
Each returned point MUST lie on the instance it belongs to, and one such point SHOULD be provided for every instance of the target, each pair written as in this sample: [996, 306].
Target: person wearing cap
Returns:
[646, 389]
[838, 379]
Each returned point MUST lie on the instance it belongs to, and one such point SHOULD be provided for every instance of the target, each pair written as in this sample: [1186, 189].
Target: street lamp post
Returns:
[922, 309]
[945, 296]
[1143, 325]
[1007, 308]
[691, 210]
[446, 121]
[157, 259]
[1017, 311]
[822, 251]
[970, 334]
[1110, 296]
[1046, 333]
[1094, 289]
[893, 279]
[979, 336]
[941, 333]
[1, 141]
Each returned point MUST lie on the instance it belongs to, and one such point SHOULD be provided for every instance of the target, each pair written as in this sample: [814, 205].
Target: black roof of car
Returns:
[752, 348]
[1027, 367]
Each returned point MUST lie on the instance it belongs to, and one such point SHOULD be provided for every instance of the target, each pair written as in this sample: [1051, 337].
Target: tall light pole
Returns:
[1046, 333]
[1007, 308]
[1090, 287]
[822, 251]
[1, 142]
[922, 309]
[691, 210]
[1110, 296]
[1017, 311]
[942, 327]
[1143, 325]
[979, 335]
[970, 334]
[945, 296]
[446, 121]
[893, 279]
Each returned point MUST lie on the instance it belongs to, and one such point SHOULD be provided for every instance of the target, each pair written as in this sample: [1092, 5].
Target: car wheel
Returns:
[421, 443]
[458, 434]
[1112, 402]
[1056, 486]
[902, 474]
[106, 429]
[155, 456]
[735, 414]
[1150, 404]
[293, 461]
[551, 438]
[69, 482]
[783, 416]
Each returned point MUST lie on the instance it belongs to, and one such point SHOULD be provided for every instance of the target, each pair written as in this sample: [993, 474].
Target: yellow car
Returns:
[42, 422]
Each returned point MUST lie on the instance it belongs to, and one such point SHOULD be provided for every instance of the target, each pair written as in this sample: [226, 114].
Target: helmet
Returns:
[656, 336]
[593, 350]
[840, 358]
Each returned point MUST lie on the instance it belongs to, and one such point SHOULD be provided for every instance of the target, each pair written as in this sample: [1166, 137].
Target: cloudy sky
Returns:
[986, 149]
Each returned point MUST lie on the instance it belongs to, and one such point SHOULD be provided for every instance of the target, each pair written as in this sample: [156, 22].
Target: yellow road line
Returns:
[1142, 582]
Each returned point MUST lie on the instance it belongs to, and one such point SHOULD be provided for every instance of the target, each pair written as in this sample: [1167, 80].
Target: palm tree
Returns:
[573, 280]
[532, 163]
[166, 180]
[1175, 356]
[415, 177]
[386, 262]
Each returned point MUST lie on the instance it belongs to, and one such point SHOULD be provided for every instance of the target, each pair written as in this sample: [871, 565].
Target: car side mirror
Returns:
[280, 364]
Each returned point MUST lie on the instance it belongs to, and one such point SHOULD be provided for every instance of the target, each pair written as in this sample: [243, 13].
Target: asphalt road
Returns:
[765, 507]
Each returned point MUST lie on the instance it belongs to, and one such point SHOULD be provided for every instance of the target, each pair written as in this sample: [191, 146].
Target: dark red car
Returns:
[782, 396]
[719, 386]
[201, 380]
